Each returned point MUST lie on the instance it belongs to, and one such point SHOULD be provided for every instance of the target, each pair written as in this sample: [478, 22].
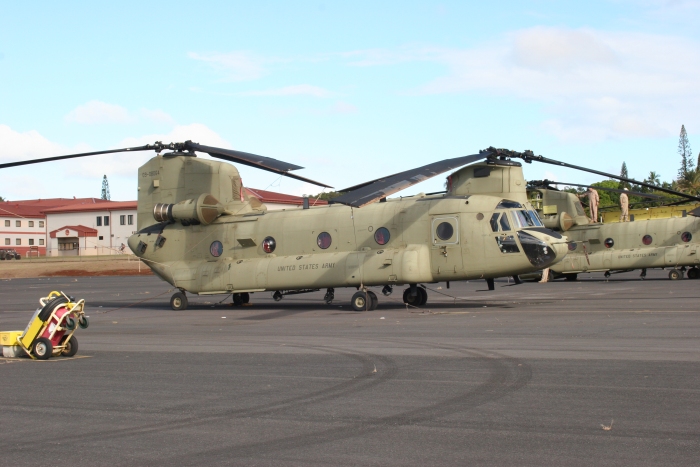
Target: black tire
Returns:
[246, 297]
[178, 301]
[423, 296]
[409, 300]
[42, 349]
[674, 274]
[693, 273]
[360, 302]
[70, 323]
[83, 322]
[71, 347]
[375, 301]
[571, 277]
[238, 299]
[18, 256]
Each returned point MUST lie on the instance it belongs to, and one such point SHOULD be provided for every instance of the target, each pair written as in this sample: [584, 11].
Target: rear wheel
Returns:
[42, 348]
[423, 296]
[71, 347]
[693, 273]
[240, 298]
[413, 300]
[675, 274]
[178, 301]
[374, 300]
[571, 277]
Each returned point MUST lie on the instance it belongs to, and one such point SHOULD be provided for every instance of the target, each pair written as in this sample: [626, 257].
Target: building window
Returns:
[41, 241]
[122, 220]
[101, 237]
[106, 221]
[31, 223]
[18, 241]
[7, 223]
[7, 241]
[18, 223]
[31, 241]
[41, 223]
[130, 219]
[99, 221]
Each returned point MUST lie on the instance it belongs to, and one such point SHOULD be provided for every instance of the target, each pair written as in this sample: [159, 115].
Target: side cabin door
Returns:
[445, 252]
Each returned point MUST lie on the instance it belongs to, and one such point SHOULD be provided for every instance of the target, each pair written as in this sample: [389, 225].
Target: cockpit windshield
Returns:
[523, 219]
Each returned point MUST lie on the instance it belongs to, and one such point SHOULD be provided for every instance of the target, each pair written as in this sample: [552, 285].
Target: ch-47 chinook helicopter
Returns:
[199, 231]
[620, 246]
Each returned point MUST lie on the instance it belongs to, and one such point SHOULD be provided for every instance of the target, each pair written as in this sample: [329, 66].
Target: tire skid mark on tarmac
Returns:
[506, 375]
[362, 381]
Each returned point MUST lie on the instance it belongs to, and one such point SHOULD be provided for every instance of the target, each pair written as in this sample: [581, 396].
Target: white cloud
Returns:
[593, 85]
[157, 116]
[237, 66]
[343, 108]
[18, 146]
[95, 112]
[296, 90]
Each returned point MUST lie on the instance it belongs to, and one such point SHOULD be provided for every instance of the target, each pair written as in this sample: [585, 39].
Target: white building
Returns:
[90, 228]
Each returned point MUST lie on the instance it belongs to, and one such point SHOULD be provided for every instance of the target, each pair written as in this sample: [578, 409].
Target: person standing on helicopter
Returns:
[593, 202]
[624, 207]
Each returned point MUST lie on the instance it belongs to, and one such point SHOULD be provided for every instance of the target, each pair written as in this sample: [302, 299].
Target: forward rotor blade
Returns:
[614, 190]
[72, 156]
[260, 162]
[369, 192]
[529, 156]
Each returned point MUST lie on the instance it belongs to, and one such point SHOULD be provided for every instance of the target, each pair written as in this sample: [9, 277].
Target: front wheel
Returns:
[71, 347]
[675, 274]
[42, 348]
[83, 322]
[360, 301]
[178, 301]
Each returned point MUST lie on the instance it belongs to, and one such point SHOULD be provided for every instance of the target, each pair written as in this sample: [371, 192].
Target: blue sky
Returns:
[349, 90]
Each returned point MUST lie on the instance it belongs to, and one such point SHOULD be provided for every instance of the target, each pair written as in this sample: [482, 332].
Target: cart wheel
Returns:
[83, 322]
[70, 323]
[178, 301]
[71, 347]
[42, 348]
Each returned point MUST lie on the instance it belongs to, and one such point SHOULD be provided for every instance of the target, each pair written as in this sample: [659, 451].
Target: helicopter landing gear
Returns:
[607, 274]
[571, 277]
[241, 298]
[387, 290]
[643, 275]
[178, 301]
[693, 273]
[277, 296]
[675, 274]
[364, 301]
[419, 297]
[330, 295]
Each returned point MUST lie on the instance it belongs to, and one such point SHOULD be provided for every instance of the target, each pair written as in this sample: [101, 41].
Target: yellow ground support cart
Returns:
[50, 331]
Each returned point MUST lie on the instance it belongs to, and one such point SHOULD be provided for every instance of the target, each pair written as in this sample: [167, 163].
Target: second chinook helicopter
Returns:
[200, 232]
[671, 243]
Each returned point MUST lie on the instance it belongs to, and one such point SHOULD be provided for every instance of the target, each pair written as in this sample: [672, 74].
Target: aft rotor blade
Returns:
[260, 162]
[369, 192]
[529, 156]
[615, 190]
[72, 156]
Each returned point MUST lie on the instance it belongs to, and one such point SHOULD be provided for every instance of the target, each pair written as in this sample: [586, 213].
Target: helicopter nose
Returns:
[133, 242]
[543, 247]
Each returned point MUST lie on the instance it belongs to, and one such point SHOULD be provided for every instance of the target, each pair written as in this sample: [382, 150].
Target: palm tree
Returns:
[653, 179]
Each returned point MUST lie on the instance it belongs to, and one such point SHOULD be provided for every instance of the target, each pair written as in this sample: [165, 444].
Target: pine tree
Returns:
[686, 154]
[624, 174]
[105, 188]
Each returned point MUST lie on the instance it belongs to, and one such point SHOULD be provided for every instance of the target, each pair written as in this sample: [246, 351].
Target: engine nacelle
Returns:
[203, 210]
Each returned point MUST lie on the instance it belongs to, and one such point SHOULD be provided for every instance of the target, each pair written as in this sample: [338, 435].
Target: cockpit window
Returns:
[536, 218]
[508, 204]
[494, 221]
[507, 244]
[505, 225]
[579, 209]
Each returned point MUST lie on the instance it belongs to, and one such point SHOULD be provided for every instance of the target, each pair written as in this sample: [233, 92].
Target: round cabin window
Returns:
[216, 248]
[269, 245]
[381, 236]
[609, 242]
[444, 231]
[323, 240]
[647, 239]
[686, 237]
[572, 246]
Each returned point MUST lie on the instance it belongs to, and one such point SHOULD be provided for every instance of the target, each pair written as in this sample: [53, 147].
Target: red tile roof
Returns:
[34, 208]
[103, 206]
[81, 229]
[281, 198]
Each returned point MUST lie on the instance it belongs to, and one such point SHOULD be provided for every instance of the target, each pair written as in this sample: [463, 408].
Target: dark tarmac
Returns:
[524, 375]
